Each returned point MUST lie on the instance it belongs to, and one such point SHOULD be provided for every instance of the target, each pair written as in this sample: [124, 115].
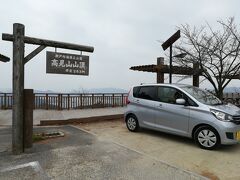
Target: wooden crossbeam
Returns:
[4, 58]
[237, 76]
[33, 53]
[164, 69]
[50, 43]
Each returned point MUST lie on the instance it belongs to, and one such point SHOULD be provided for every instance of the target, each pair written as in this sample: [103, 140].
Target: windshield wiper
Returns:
[221, 103]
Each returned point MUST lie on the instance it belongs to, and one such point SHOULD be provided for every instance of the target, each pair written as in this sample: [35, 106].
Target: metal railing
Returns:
[233, 98]
[83, 101]
[68, 101]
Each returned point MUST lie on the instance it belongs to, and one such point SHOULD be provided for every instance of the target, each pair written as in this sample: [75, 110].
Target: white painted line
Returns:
[35, 165]
[83, 130]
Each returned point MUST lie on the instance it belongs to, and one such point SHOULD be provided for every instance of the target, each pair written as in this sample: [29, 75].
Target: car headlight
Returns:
[221, 115]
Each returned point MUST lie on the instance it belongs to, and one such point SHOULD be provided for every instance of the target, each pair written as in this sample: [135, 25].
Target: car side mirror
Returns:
[180, 101]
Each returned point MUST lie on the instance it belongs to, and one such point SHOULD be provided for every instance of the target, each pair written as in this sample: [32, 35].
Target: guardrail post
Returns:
[68, 101]
[103, 100]
[5, 101]
[122, 100]
[92, 100]
[113, 100]
[59, 101]
[81, 101]
[46, 105]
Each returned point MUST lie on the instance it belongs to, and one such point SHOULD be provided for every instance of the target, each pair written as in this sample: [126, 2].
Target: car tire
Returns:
[207, 138]
[132, 123]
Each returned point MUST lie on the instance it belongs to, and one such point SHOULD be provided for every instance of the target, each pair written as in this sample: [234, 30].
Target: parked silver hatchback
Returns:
[183, 110]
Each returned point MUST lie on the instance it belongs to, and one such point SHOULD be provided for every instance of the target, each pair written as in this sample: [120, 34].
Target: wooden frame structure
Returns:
[19, 121]
[160, 68]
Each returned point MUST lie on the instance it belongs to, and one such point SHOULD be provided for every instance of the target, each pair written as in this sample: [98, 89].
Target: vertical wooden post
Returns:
[28, 117]
[18, 86]
[34, 101]
[160, 76]
[46, 102]
[5, 101]
[103, 100]
[68, 101]
[122, 100]
[59, 101]
[92, 100]
[81, 101]
[113, 100]
[196, 76]
[170, 66]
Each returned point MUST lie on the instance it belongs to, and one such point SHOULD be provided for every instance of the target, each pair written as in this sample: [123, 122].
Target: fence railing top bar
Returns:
[80, 93]
[71, 93]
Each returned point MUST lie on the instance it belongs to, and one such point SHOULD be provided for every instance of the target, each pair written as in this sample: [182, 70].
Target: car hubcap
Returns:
[207, 138]
[131, 123]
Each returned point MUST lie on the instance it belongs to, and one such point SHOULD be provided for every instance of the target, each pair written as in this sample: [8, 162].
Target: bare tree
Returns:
[216, 52]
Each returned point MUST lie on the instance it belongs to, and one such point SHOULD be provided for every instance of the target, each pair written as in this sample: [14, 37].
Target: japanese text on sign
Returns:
[62, 63]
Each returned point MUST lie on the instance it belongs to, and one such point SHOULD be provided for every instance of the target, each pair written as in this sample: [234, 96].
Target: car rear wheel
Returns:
[132, 123]
[207, 137]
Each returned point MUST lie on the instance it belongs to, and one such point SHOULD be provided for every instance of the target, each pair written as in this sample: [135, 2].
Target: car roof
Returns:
[166, 84]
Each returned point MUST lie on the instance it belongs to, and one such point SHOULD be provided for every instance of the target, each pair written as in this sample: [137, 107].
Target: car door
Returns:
[171, 117]
[144, 101]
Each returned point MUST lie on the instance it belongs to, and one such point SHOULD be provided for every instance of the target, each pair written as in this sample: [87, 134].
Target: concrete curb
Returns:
[81, 120]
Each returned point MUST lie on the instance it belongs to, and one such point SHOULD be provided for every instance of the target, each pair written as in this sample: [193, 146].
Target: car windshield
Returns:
[202, 96]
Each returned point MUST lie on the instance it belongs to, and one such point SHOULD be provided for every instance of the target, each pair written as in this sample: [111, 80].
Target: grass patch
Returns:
[42, 136]
[38, 137]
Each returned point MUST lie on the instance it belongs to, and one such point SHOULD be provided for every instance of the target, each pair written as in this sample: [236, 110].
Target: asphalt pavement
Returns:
[81, 155]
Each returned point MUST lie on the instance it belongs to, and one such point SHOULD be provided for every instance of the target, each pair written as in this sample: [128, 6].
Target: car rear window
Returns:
[135, 91]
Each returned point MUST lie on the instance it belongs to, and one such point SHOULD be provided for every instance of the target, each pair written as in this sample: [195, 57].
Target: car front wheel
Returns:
[207, 137]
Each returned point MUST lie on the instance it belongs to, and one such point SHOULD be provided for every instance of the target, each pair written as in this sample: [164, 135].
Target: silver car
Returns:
[183, 110]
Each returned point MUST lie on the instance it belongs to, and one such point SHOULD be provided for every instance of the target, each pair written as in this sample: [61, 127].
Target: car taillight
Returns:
[127, 100]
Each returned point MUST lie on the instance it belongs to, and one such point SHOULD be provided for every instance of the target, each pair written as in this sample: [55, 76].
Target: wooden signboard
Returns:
[171, 40]
[63, 63]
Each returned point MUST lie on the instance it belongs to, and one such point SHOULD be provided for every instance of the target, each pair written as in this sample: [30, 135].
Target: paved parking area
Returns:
[81, 155]
[223, 163]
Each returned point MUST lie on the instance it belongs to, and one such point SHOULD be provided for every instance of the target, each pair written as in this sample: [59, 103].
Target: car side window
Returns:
[168, 95]
[147, 92]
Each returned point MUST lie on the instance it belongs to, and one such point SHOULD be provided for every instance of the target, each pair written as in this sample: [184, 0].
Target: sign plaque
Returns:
[171, 40]
[63, 63]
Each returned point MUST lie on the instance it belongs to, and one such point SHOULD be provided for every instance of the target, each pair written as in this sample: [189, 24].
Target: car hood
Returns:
[227, 108]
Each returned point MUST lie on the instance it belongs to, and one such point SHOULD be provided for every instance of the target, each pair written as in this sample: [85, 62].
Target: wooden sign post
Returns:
[168, 44]
[19, 60]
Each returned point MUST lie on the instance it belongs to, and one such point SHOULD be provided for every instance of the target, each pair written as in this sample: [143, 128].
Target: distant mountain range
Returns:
[108, 90]
[101, 90]
[93, 90]
[232, 90]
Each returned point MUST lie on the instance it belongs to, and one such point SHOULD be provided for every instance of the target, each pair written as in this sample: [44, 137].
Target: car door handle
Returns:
[159, 105]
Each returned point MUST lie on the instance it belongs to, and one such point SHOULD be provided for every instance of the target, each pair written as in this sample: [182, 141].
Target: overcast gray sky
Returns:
[124, 33]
